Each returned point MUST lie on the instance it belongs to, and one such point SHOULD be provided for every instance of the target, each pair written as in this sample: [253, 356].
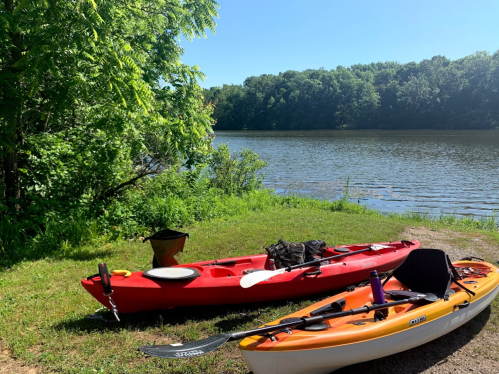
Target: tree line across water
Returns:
[434, 94]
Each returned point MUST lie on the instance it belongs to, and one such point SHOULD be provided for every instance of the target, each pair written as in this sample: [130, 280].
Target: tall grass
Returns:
[155, 208]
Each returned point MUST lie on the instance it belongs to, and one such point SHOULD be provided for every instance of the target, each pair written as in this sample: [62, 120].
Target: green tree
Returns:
[83, 115]
[235, 173]
[229, 106]
[358, 99]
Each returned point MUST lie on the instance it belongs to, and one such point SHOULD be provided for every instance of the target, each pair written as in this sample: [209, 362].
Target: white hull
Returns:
[326, 360]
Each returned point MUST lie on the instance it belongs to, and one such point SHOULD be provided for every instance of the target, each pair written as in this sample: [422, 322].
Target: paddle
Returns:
[251, 279]
[203, 346]
[223, 263]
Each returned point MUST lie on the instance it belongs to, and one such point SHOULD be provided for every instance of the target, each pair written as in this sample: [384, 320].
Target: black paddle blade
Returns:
[186, 350]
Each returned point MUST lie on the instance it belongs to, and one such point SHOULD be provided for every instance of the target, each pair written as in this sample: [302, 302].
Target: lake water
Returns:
[434, 172]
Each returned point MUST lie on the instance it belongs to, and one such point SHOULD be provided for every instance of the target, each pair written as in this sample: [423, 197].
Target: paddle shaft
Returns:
[203, 346]
[222, 263]
[315, 262]
[249, 280]
[233, 262]
[305, 321]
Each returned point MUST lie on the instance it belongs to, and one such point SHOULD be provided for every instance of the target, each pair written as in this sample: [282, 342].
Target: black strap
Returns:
[464, 288]
[472, 258]
[105, 279]
[453, 269]
[387, 279]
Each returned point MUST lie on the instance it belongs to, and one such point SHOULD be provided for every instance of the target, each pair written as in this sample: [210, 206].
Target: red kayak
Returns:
[220, 281]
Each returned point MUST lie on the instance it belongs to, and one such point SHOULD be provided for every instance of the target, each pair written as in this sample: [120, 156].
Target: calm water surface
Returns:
[435, 172]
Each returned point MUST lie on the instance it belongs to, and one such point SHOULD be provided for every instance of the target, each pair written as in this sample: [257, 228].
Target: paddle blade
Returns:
[377, 247]
[186, 350]
[259, 276]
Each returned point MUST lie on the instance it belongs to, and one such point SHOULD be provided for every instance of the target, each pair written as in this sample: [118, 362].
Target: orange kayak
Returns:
[338, 342]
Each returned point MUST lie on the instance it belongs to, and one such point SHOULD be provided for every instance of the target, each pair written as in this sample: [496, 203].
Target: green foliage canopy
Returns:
[94, 97]
[434, 94]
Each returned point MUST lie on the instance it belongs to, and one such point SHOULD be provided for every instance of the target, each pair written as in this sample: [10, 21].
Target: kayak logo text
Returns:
[415, 321]
[196, 352]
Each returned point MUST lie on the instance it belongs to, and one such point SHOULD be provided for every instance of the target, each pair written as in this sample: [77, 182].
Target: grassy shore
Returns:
[43, 308]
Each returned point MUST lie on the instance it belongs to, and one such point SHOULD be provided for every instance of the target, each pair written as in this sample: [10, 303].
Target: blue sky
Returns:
[271, 36]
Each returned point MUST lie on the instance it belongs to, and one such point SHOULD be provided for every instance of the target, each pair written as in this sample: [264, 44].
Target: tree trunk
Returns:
[12, 115]
[11, 178]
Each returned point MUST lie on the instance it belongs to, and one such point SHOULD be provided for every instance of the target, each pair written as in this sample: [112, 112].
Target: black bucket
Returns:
[166, 244]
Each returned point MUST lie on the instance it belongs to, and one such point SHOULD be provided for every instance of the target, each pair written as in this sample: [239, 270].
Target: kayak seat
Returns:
[426, 271]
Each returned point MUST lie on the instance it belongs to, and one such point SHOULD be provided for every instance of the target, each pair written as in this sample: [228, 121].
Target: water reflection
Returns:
[449, 172]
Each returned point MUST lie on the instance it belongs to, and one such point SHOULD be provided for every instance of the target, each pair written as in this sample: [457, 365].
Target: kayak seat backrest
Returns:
[425, 270]
[166, 244]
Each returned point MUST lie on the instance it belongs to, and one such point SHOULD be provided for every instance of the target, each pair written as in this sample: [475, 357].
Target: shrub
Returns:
[235, 174]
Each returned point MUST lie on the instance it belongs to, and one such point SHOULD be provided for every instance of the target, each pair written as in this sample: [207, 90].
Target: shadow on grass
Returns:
[7, 261]
[426, 356]
[234, 317]
[84, 254]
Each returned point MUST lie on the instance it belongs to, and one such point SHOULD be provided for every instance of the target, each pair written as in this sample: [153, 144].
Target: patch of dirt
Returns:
[149, 338]
[9, 365]
[456, 244]
[472, 348]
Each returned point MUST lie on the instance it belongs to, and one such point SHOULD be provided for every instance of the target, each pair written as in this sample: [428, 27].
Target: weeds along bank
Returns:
[141, 213]
[155, 208]
[224, 184]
